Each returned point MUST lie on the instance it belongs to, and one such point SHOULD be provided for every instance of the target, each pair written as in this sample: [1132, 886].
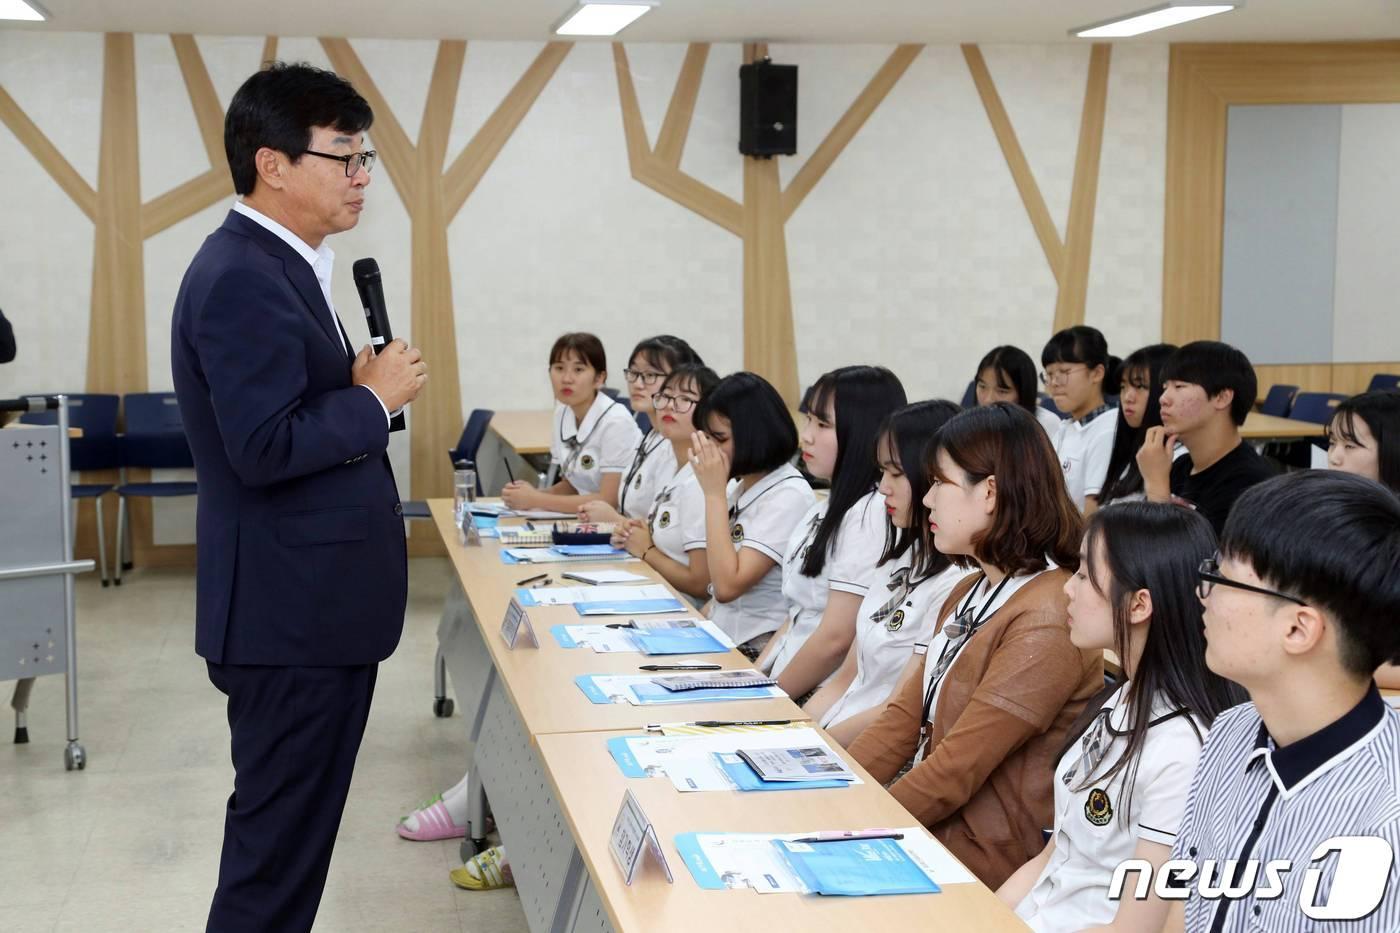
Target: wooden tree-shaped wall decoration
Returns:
[1068, 259]
[116, 357]
[760, 221]
[432, 196]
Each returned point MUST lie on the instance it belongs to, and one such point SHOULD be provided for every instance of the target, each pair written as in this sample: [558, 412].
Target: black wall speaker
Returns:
[767, 109]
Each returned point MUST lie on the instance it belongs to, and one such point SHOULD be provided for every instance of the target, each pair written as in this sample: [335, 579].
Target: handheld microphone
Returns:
[371, 289]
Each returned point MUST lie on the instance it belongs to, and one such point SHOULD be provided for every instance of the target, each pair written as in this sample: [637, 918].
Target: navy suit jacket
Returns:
[302, 557]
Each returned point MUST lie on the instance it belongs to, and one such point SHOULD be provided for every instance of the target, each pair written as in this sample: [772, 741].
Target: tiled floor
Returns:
[132, 843]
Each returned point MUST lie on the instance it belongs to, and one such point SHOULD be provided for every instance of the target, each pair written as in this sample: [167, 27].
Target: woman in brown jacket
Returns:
[973, 741]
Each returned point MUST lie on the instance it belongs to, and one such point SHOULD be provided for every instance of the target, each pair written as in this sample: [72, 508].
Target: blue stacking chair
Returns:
[1279, 401]
[1383, 381]
[969, 399]
[617, 396]
[643, 422]
[1314, 406]
[154, 439]
[97, 449]
[1048, 403]
[469, 444]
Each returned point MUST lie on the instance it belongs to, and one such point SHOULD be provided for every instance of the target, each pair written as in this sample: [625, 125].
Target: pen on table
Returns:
[529, 525]
[679, 667]
[509, 471]
[629, 624]
[529, 580]
[844, 837]
[719, 723]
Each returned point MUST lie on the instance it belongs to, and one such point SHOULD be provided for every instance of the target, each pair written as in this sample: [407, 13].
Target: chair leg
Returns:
[123, 538]
[101, 540]
[121, 531]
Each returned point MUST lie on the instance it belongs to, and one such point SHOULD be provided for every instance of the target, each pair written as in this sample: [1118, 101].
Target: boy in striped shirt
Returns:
[1299, 788]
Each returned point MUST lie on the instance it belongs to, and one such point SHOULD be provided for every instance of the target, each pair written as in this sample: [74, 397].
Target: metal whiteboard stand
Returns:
[37, 633]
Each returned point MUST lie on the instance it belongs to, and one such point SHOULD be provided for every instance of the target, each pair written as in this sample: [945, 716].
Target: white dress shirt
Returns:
[321, 260]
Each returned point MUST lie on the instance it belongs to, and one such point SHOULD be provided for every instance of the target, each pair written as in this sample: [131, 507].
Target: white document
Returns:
[750, 860]
[568, 595]
[604, 640]
[688, 759]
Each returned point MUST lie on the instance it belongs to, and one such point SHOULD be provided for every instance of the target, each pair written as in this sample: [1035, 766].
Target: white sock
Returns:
[454, 798]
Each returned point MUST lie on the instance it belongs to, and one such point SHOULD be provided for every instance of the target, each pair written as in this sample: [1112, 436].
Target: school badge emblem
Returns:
[896, 621]
[1098, 809]
[736, 534]
[586, 462]
[664, 521]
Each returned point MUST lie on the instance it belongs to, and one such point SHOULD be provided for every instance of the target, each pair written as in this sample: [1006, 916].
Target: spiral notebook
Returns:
[720, 680]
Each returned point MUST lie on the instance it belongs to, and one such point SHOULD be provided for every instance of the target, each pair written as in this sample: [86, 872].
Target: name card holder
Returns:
[632, 837]
[516, 626]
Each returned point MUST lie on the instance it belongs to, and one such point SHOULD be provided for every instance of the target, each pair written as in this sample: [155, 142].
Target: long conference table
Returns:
[540, 757]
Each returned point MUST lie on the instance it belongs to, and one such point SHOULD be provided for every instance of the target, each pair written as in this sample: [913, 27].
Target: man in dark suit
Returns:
[302, 574]
[7, 340]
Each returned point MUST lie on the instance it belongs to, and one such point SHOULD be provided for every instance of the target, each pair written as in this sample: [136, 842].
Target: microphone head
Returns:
[365, 270]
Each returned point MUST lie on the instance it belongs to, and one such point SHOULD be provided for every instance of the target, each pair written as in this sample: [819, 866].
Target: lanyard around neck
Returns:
[983, 611]
[574, 444]
[638, 460]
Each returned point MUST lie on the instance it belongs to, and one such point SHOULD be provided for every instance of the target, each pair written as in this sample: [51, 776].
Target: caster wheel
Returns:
[116, 583]
[106, 583]
[74, 757]
[21, 735]
[473, 847]
[127, 565]
[443, 707]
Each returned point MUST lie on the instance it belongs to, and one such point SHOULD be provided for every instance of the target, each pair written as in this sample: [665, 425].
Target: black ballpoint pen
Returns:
[679, 667]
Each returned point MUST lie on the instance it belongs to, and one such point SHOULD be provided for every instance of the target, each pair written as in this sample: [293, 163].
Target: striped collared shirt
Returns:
[1251, 799]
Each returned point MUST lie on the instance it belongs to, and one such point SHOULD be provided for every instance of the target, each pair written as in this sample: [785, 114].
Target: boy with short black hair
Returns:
[1208, 391]
[1300, 609]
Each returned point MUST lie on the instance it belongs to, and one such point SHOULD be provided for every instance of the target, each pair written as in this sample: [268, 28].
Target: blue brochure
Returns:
[629, 607]
[562, 636]
[622, 754]
[856, 867]
[745, 779]
[687, 640]
[648, 694]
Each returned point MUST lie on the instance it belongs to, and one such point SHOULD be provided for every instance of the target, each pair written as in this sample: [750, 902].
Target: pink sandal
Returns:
[434, 823]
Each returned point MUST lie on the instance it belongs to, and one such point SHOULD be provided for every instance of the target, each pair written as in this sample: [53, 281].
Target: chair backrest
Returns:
[643, 422]
[155, 433]
[1279, 401]
[96, 415]
[1047, 403]
[473, 433]
[1314, 406]
[1381, 381]
[969, 399]
[624, 400]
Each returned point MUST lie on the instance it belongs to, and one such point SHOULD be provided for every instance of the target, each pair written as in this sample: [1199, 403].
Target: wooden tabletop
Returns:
[589, 787]
[526, 432]
[540, 681]
[1258, 427]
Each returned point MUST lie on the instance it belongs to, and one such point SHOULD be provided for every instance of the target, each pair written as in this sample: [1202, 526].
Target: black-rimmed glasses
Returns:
[677, 403]
[647, 379]
[1209, 572]
[353, 162]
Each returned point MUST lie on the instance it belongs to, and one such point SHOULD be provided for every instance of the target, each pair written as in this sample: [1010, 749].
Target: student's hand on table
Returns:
[599, 513]
[518, 495]
[1154, 461]
[637, 538]
[619, 535]
[710, 464]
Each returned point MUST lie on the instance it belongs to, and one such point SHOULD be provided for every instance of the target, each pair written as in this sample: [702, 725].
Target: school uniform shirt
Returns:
[604, 443]
[763, 518]
[1048, 420]
[851, 557]
[1213, 491]
[653, 463]
[1252, 799]
[1084, 447]
[677, 517]
[885, 644]
[1098, 823]
[1001, 717]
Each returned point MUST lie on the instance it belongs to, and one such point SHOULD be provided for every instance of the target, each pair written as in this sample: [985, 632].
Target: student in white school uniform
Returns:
[1139, 411]
[745, 435]
[672, 539]
[830, 559]
[1076, 369]
[654, 460]
[1007, 374]
[912, 583]
[593, 435]
[1122, 779]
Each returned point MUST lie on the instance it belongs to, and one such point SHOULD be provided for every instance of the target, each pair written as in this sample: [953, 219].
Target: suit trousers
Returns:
[295, 734]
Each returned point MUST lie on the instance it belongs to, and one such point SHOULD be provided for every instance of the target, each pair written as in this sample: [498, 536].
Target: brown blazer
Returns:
[984, 788]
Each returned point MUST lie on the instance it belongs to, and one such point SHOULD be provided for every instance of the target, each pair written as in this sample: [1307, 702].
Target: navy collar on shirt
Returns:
[1094, 414]
[1314, 754]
